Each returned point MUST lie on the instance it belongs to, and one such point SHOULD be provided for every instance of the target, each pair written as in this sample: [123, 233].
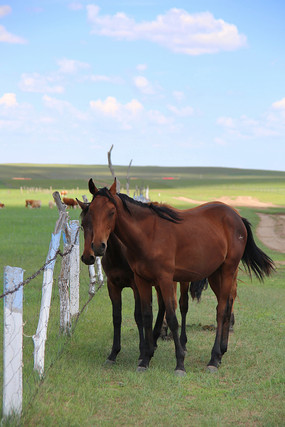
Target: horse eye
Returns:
[111, 214]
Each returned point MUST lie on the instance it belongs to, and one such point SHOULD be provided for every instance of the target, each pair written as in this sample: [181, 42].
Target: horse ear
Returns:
[113, 187]
[92, 187]
[81, 204]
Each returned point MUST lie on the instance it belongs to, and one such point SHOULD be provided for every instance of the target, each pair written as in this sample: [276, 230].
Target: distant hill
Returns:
[73, 176]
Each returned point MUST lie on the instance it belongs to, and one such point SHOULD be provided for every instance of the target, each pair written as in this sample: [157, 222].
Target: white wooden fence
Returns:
[69, 306]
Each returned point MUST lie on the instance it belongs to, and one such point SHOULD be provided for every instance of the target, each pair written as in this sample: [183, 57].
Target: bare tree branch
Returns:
[112, 170]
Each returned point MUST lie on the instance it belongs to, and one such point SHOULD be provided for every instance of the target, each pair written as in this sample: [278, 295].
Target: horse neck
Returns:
[128, 226]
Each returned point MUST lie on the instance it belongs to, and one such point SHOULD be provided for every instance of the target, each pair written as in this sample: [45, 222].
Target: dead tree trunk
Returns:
[112, 169]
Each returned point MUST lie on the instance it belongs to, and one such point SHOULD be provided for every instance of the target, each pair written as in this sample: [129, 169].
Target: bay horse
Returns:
[165, 245]
[119, 276]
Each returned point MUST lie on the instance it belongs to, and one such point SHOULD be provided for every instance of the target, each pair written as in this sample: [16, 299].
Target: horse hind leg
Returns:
[183, 304]
[164, 328]
[228, 319]
[168, 295]
[221, 284]
[160, 324]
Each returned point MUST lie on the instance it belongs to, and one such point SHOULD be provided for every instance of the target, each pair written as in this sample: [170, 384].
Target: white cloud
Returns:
[220, 141]
[227, 122]
[181, 112]
[9, 100]
[143, 85]
[125, 114]
[178, 95]
[41, 84]
[71, 66]
[75, 6]
[63, 107]
[109, 107]
[134, 107]
[158, 118]
[279, 105]
[5, 36]
[248, 128]
[177, 30]
[107, 79]
[5, 10]
[141, 67]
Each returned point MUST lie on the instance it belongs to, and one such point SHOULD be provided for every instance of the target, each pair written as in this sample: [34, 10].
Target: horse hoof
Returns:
[109, 362]
[180, 373]
[141, 369]
[212, 369]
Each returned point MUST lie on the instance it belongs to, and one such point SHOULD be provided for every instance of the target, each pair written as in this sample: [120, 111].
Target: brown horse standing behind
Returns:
[166, 245]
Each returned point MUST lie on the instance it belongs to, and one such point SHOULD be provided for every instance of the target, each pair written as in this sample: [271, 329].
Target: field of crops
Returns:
[78, 389]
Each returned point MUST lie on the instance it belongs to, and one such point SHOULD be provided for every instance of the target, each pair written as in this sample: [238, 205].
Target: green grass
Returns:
[78, 390]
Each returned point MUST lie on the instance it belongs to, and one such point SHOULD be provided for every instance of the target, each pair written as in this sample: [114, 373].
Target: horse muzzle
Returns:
[100, 249]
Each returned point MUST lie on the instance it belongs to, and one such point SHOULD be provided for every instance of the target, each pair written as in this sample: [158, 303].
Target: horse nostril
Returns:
[88, 260]
[103, 246]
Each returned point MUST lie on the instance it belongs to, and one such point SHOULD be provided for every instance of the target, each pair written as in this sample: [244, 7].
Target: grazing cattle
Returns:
[69, 202]
[33, 203]
[51, 204]
[2, 205]
[63, 193]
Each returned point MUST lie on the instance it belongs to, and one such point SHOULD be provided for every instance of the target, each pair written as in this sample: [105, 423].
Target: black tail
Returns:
[196, 288]
[254, 259]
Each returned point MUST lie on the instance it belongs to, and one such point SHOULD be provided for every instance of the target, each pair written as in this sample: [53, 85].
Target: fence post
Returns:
[100, 277]
[41, 334]
[92, 277]
[63, 284]
[13, 342]
[74, 268]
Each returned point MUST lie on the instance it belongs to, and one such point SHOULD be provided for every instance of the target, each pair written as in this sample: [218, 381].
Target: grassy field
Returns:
[78, 390]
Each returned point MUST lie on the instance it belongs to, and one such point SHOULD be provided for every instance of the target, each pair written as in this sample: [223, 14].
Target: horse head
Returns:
[98, 221]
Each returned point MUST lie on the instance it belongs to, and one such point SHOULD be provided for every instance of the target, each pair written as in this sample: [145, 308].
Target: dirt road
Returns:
[271, 231]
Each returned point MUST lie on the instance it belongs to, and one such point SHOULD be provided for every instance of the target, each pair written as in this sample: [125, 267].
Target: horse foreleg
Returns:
[183, 304]
[115, 294]
[139, 321]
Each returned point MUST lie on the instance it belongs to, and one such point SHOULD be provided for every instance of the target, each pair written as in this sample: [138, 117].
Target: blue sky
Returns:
[169, 83]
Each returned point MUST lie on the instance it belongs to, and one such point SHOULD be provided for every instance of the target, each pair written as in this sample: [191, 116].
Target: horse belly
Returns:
[199, 262]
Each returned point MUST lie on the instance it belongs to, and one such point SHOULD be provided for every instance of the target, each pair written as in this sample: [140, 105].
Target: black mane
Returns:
[162, 211]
